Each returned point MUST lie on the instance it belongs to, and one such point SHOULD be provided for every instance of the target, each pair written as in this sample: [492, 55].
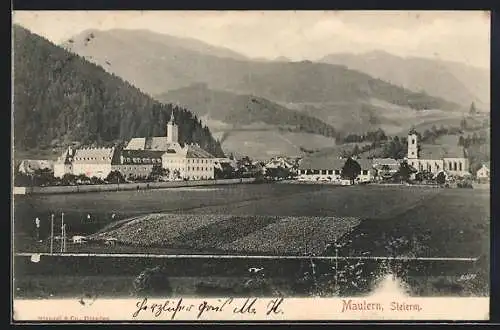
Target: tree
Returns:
[82, 178]
[278, 173]
[22, 180]
[115, 177]
[96, 180]
[152, 281]
[472, 109]
[351, 169]
[355, 150]
[157, 172]
[68, 179]
[405, 171]
[441, 178]
[463, 124]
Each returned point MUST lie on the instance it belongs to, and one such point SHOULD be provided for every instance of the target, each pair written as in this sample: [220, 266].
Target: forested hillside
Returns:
[240, 110]
[60, 97]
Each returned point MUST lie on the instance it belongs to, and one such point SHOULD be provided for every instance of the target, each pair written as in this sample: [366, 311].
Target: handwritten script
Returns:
[174, 307]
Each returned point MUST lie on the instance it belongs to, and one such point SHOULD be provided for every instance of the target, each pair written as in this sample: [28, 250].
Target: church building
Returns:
[188, 162]
[437, 158]
[137, 159]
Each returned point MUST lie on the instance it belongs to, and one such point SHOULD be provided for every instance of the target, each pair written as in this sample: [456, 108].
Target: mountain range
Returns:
[452, 81]
[157, 67]
[253, 107]
[171, 69]
[60, 97]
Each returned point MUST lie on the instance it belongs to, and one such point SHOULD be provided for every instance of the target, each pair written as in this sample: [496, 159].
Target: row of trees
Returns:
[351, 170]
[372, 136]
[45, 177]
[396, 147]
[472, 140]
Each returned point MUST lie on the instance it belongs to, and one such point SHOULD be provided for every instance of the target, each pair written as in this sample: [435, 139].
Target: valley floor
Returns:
[265, 219]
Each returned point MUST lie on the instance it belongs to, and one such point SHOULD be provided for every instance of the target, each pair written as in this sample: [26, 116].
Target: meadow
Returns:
[269, 219]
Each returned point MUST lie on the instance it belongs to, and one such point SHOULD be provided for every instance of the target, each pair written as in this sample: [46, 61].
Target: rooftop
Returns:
[94, 155]
[434, 151]
[159, 143]
[195, 151]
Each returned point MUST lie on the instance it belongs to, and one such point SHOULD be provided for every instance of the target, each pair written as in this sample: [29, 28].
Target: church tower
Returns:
[172, 130]
[412, 145]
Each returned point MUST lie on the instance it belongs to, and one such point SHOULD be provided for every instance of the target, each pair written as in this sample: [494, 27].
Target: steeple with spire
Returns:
[172, 130]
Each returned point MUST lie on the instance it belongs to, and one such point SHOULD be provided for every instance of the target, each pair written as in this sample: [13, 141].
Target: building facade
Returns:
[329, 168]
[139, 157]
[93, 162]
[188, 162]
[136, 164]
[64, 164]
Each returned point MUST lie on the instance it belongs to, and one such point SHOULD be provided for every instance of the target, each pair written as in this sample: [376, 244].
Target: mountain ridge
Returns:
[454, 81]
[165, 67]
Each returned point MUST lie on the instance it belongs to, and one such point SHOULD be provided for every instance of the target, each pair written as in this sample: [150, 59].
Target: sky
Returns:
[462, 36]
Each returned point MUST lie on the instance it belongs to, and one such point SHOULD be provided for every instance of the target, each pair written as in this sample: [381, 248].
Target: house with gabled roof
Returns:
[483, 173]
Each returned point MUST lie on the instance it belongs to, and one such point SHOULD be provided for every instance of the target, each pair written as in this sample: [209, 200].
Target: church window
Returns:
[365, 172]
[460, 166]
[337, 172]
[412, 141]
[454, 166]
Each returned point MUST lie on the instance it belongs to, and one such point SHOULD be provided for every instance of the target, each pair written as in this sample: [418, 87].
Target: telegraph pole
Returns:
[337, 267]
[62, 231]
[37, 225]
[64, 240]
[51, 233]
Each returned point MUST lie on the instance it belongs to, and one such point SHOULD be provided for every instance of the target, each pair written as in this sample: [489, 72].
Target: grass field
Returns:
[264, 219]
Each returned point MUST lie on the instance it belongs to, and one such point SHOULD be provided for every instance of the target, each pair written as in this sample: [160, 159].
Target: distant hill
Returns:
[242, 110]
[452, 81]
[251, 125]
[60, 97]
[155, 65]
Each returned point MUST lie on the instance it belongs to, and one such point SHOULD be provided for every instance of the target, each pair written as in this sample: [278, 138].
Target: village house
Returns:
[483, 174]
[29, 166]
[385, 167]
[280, 162]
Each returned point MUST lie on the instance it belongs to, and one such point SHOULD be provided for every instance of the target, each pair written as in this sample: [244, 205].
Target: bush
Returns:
[464, 184]
[152, 281]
